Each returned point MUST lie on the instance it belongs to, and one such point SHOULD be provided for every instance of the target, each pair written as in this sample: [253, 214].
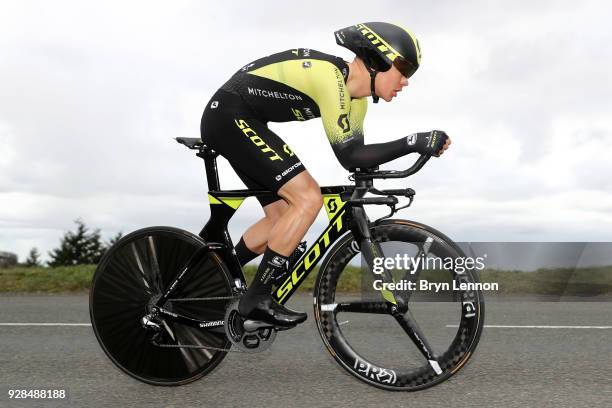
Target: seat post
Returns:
[210, 164]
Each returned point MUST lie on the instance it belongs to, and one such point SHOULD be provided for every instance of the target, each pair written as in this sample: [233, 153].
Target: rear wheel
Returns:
[407, 350]
[131, 276]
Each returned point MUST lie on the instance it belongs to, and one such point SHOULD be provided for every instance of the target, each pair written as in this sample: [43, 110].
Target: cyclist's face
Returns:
[389, 83]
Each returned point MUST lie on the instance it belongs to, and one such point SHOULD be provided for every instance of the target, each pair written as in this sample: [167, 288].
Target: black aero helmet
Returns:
[380, 45]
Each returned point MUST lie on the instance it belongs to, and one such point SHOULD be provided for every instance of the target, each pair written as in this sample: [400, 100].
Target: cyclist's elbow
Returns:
[347, 160]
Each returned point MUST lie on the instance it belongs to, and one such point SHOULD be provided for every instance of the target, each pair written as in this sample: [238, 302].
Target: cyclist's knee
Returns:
[304, 194]
[311, 203]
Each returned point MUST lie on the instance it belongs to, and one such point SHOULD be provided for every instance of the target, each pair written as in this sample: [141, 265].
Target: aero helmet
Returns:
[381, 44]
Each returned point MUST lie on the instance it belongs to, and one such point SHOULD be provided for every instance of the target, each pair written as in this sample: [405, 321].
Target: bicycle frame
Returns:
[223, 205]
[343, 204]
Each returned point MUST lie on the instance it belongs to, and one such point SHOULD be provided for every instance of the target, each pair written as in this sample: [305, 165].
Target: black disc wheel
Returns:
[131, 277]
[405, 345]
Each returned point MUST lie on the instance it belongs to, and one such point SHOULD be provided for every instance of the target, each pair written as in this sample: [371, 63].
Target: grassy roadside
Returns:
[78, 278]
[561, 281]
[47, 280]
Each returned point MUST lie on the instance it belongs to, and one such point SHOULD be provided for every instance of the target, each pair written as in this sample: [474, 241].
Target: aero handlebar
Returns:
[387, 174]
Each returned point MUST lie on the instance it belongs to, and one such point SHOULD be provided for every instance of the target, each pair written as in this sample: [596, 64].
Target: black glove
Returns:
[427, 142]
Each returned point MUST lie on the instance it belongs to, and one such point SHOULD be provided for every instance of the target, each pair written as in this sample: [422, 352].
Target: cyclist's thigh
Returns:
[253, 185]
[218, 124]
[250, 147]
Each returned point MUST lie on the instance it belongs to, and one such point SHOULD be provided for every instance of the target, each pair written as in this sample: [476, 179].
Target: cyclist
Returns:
[297, 85]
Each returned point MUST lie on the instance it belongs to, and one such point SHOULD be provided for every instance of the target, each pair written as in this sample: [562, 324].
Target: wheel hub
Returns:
[153, 302]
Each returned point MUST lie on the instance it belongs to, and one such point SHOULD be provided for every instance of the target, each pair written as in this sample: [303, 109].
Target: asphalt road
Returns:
[513, 367]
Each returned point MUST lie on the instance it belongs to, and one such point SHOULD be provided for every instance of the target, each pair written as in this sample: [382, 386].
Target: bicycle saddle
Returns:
[191, 142]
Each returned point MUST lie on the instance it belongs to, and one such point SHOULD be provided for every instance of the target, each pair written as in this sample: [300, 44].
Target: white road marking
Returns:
[45, 324]
[488, 326]
[500, 326]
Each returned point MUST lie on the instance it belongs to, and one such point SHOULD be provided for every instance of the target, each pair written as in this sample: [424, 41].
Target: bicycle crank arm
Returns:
[254, 325]
[360, 307]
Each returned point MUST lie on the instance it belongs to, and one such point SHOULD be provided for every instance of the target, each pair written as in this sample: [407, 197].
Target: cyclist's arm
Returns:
[343, 119]
[355, 153]
[346, 138]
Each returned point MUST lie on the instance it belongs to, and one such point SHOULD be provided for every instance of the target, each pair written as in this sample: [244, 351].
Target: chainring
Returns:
[248, 342]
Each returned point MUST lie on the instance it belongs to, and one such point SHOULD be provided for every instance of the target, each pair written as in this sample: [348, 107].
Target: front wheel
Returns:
[408, 349]
[131, 277]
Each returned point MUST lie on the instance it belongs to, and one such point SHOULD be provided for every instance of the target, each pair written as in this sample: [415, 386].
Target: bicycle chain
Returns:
[189, 346]
[198, 347]
[206, 298]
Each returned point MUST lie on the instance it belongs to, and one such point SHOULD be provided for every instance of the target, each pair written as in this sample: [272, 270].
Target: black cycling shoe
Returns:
[269, 311]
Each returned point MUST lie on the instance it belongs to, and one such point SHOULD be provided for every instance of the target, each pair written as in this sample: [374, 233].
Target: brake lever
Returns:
[394, 210]
[410, 199]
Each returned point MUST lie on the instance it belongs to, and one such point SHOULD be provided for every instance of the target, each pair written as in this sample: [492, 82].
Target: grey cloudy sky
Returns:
[93, 92]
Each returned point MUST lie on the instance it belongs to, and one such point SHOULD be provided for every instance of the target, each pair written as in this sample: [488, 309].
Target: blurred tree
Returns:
[114, 239]
[33, 258]
[78, 248]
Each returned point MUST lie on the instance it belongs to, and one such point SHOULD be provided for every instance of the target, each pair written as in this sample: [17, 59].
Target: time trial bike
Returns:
[163, 301]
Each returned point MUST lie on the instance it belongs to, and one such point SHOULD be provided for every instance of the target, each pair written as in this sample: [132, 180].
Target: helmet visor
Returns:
[404, 66]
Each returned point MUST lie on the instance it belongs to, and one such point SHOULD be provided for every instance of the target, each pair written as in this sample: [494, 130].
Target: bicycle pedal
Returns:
[254, 325]
[282, 328]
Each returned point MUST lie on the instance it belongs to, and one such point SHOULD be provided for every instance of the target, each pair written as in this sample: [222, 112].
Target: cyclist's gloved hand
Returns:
[433, 143]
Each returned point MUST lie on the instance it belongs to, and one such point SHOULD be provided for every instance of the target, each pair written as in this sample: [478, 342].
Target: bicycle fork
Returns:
[371, 250]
